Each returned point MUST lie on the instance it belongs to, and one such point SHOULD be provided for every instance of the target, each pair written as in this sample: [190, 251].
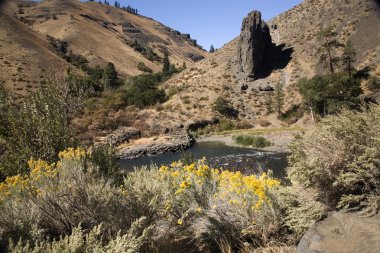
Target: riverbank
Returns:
[279, 137]
[134, 148]
[165, 144]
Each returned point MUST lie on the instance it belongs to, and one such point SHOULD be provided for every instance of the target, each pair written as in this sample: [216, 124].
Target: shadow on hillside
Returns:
[363, 73]
[277, 57]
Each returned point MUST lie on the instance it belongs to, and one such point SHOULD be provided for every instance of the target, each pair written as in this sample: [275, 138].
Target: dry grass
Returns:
[262, 131]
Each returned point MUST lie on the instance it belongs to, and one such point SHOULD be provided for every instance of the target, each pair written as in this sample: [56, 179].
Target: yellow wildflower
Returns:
[185, 184]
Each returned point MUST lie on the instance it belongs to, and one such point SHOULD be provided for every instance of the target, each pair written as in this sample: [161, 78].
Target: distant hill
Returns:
[29, 31]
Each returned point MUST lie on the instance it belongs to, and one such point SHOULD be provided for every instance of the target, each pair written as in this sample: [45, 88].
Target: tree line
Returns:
[117, 4]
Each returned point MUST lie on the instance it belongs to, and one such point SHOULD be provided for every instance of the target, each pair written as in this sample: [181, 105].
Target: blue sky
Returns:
[210, 22]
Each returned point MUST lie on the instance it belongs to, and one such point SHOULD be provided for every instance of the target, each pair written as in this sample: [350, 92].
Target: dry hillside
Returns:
[293, 33]
[25, 55]
[104, 34]
[98, 32]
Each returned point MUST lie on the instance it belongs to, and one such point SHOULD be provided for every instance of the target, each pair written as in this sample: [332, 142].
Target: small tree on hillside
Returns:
[225, 108]
[3, 109]
[110, 76]
[279, 97]
[348, 58]
[328, 43]
[166, 66]
[212, 49]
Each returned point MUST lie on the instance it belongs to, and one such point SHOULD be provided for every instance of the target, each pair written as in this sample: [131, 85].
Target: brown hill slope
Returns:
[293, 31]
[24, 54]
[99, 32]
[102, 33]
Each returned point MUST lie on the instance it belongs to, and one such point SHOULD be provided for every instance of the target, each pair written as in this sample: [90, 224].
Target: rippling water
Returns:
[222, 156]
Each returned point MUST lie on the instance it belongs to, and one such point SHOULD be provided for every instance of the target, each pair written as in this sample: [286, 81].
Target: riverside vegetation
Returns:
[56, 196]
[79, 201]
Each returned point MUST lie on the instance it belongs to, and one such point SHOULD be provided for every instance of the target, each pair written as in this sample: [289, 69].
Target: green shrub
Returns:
[104, 159]
[292, 115]
[142, 91]
[338, 161]
[222, 125]
[39, 127]
[142, 67]
[224, 107]
[83, 241]
[328, 94]
[3, 110]
[251, 140]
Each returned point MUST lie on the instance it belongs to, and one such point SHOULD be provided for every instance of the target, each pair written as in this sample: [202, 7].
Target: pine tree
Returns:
[166, 66]
[328, 44]
[110, 76]
[348, 57]
[279, 97]
[212, 49]
[172, 69]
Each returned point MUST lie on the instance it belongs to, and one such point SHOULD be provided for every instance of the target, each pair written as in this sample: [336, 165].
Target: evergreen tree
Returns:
[212, 49]
[279, 97]
[328, 44]
[348, 58]
[329, 93]
[172, 69]
[166, 66]
[110, 76]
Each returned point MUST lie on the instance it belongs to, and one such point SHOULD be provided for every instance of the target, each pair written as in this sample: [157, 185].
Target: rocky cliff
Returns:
[254, 42]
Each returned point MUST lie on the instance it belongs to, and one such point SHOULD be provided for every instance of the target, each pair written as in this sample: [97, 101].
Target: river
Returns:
[219, 155]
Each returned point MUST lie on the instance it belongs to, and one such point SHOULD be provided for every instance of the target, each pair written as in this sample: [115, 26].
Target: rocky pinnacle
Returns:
[253, 43]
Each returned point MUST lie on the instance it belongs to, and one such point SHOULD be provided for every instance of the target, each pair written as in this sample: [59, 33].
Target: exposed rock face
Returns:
[253, 43]
[194, 57]
[342, 233]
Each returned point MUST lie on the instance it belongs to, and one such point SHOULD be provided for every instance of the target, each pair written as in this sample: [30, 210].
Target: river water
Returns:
[219, 155]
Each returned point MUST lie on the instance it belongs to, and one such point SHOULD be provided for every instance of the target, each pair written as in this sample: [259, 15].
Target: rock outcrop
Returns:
[156, 146]
[254, 41]
[121, 135]
[343, 233]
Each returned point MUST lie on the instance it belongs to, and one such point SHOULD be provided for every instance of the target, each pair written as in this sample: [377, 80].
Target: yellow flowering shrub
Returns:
[77, 154]
[40, 173]
[182, 202]
[216, 186]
